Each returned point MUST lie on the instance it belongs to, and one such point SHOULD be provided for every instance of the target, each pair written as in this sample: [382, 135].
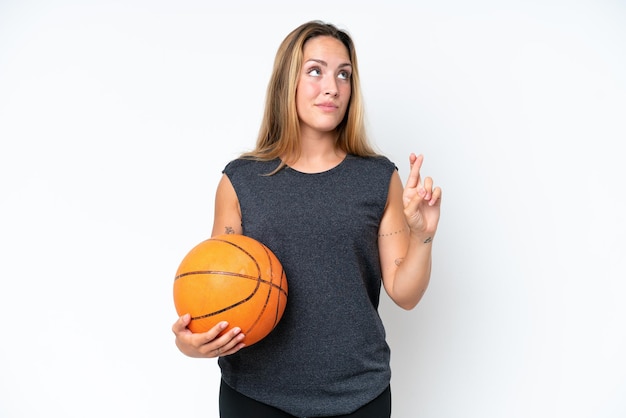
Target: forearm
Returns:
[414, 211]
[413, 272]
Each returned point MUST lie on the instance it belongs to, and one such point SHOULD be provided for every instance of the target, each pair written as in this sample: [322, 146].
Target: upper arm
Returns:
[393, 233]
[227, 215]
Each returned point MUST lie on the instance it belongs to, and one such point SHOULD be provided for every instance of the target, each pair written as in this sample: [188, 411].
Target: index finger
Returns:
[181, 324]
[414, 175]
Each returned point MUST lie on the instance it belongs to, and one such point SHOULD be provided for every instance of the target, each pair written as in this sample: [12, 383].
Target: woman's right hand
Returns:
[207, 344]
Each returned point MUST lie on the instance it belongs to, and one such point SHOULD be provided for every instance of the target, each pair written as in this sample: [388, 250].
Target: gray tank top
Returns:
[328, 355]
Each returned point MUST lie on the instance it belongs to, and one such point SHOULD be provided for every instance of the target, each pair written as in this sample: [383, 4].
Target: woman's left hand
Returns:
[421, 201]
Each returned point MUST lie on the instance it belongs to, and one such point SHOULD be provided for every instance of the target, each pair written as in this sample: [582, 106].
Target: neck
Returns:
[317, 154]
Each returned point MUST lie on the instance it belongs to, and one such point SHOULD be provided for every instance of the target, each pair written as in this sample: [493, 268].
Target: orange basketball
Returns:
[231, 278]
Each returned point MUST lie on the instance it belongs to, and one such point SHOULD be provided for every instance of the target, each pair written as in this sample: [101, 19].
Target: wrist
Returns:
[422, 237]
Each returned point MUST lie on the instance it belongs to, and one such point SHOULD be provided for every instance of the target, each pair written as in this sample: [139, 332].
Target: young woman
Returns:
[340, 221]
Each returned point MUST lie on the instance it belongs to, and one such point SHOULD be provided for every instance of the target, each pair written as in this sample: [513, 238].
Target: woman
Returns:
[337, 216]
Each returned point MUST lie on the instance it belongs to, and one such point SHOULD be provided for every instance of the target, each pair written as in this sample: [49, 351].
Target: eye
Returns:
[344, 75]
[315, 72]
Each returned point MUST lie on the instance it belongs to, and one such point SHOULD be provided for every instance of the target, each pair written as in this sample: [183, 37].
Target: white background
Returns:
[116, 118]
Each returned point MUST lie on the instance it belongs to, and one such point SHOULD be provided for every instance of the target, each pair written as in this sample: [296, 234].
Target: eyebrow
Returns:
[325, 64]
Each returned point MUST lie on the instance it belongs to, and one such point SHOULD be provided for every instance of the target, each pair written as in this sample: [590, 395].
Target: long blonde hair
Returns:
[279, 134]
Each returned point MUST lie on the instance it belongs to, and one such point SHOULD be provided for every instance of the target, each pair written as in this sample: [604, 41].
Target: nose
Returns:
[331, 87]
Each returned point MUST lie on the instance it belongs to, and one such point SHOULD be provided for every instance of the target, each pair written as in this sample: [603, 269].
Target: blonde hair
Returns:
[279, 134]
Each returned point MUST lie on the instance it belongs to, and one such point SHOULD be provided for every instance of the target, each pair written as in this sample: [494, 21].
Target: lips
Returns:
[327, 106]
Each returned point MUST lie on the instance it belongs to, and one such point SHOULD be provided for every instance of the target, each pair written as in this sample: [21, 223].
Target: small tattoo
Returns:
[391, 233]
[427, 240]
[229, 230]
[399, 261]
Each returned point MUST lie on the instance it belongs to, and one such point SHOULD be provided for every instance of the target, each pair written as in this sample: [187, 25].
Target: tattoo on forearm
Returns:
[427, 240]
[392, 233]
[229, 230]
[399, 261]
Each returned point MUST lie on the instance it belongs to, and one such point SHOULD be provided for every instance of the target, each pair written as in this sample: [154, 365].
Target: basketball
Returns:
[231, 278]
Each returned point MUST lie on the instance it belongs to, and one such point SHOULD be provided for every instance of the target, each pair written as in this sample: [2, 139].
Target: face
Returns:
[324, 89]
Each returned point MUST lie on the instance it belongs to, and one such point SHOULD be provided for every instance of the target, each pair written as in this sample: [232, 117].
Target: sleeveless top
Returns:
[328, 354]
